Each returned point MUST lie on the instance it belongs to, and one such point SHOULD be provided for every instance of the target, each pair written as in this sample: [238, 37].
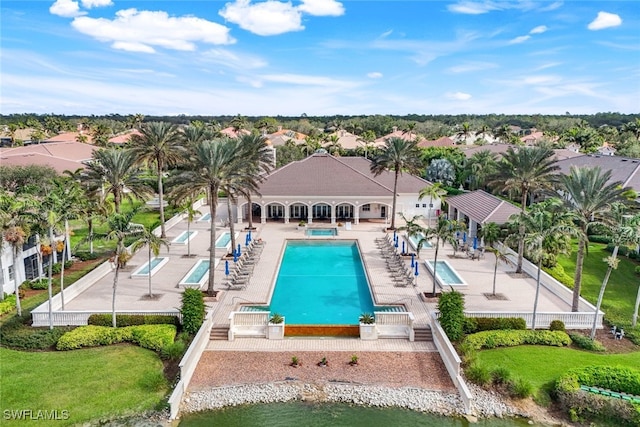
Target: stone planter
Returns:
[301, 227]
[275, 331]
[368, 331]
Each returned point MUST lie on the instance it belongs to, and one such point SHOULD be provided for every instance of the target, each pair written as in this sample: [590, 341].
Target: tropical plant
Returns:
[445, 232]
[257, 163]
[589, 193]
[441, 171]
[451, 308]
[501, 257]
[479, 167]
[276, 318]
[190, 212]
[148, 238]
[414, 229]
[526, 171]
[158, 144]
[434, 191]
[397, 155]
[464, 132]
[622, 229]
[367, 319]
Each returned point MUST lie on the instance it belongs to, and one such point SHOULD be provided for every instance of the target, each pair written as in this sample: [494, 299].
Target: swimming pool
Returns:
[156, 264]
[184, 237]
[446, 275]
[198, 274]
[322, 232]
[413, 241]
[321, 282]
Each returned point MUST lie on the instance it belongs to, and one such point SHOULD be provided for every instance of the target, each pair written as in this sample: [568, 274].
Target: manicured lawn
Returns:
[620, 296]
[542, 366]
[90, 384]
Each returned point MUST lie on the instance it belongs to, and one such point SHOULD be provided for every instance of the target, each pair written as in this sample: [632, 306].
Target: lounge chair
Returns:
[236, 287]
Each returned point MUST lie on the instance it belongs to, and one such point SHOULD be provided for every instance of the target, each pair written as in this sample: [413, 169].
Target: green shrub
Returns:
[14, 334]
[633, 254]
[520, 388]
[622, 250]
[586, 343]
[68, 263]
[8, 304]
[132, 319]
[558, 273]
[501, 375]
[468, 354]
[600, 238]
[153, 381]
[56, 268]
[478, 374]
[478, 324]
[173, 351]
[557, 325]
[493, 339]
[39, 284]
[193, 310]
[86, 256]
[451, 307]
[637, 269]
[153, 337]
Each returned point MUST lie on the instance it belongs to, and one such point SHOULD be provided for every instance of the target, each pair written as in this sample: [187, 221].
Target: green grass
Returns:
[620, 295]
[542, 366]
[90, 384]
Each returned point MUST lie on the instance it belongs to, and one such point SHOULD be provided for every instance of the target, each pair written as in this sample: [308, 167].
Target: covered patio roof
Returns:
[483, 207]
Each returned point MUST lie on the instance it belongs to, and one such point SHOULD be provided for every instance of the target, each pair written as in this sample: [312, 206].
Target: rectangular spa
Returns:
[205, 217]
[322, 232]
[321, 282]
[184, 237]
[224, 241]
[446, 275]
[413, 241]
[152, 268]
[198, 274]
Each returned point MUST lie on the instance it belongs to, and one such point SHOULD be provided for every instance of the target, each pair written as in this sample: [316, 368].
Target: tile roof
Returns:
[68, 137]
[445, 141]
[124, 137]
[60, 165]
[623, 169]
[75, 151]
[324, 175]
[483, 207]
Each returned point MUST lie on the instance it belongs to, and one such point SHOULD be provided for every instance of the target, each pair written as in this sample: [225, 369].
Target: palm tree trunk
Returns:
[495, 273]
[213, 200]
[149, 270]
[117, 198]
[435, 266]
[535, 301]
[577, 280]
[250, 209]
[163, 232]
[395, 192]
[634, 321]
[64, 258]
[231, 225]
[115, 283]
[90, 224]
[521, 233]
[614, 255]
[189, 237]
[16, 281]
[50, 279]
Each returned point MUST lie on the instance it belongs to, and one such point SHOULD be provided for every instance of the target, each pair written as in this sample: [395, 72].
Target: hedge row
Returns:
[586, 343]
[479, 324]
[583, 406]
[558, 273]
[623, 251]
[132, 320]
[153, 337]
[493, 339]
[8, 304]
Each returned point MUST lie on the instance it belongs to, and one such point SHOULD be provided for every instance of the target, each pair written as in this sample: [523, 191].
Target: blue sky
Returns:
[319, 57]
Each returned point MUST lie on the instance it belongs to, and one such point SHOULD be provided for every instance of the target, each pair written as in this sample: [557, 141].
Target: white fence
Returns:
[80, 318]
[571, 320]
[248, 324]
[189, 362]
[451, 362]
[394, 324]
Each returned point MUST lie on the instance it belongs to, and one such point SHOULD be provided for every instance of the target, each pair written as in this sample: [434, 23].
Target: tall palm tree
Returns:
[480, 166]
[212, 164]
[622, 230]
[589, 193]
[159, 144]
[190, 212]
[548, 229]
[526, 171]
[367, 139]
[504, 134]
[490, 234]
[414, 229]
[257, 161]
[445, 232]
[464, 131]
[196, 133]
[399, 156]
[153, 243]
[434, 191]
[112, 171]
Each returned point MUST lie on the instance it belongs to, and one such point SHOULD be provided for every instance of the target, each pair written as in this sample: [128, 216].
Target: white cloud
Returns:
[520, 39]
[140, 31]
[374, 75]
[96, 3]
[472, 8]
[459, 96]
[66, 8]
[264, 19]
[322, 7]
[605, 20]
[539, 29]
[472, 67]
[552, 6]
[300, 79]
[232, 59]
[386, 34]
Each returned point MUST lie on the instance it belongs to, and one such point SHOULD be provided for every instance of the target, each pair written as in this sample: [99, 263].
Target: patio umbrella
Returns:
[246, 240]
[249, 236]
[396, 244]
[412, 260]
[235, 256]
[464, 237]
[475, 242]
[238, 251]
[394, 235]
[416, 273]
[226, 267]
[403, 246]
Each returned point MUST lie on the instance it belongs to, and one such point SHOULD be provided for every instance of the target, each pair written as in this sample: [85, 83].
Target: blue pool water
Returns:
[202, 268]
[145, 268]
[205, 217]
[446, 273]
[321, 282]
[415, 239]
[223, 240]
[322, 232]
[184, 236]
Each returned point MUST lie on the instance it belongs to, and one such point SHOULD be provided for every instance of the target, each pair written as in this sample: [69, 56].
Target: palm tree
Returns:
[409, 130]
[441, 170]
[154, 244]
[432, 191]
[213, 163]
[622, 230]
[480, 166]
[188, 209]
[367, 139]
[464, 131]
[484, 130]
[257, 161]
[445, 232]
[238, 123]
[159, 143]
[589, 193]
[525, 171]
[196, 133]
[548, 227]
[397, 155]
[503, 134]
[414, 229]
[112, 171]
[490, 234]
